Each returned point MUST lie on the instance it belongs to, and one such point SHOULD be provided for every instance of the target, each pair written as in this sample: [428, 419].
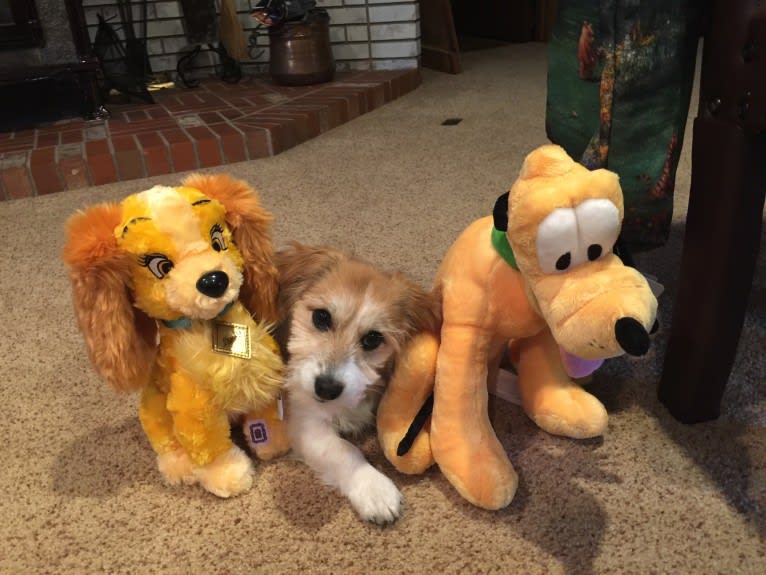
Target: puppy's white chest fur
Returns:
[353, 421]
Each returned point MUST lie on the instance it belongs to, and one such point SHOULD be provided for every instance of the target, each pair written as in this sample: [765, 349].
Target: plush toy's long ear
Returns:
[250, 225]
[500, 213]
[121, 342]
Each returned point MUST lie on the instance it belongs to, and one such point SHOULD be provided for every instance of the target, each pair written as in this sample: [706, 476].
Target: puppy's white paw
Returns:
[374, 496]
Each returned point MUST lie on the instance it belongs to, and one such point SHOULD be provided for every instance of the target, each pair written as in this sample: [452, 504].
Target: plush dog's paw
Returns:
[176, 467]
[571, 412]
[230, 474]
[374, 496]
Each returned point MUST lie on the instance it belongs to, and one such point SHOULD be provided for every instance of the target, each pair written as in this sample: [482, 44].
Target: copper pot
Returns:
[301, 52]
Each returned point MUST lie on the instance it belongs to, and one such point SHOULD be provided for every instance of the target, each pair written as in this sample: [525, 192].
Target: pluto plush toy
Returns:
[165, 287]
[538, 279]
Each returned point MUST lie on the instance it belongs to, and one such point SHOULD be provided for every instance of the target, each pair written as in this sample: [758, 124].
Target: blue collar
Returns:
[185, 323]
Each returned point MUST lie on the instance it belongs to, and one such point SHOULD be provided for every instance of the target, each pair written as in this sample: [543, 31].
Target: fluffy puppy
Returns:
[342, 324]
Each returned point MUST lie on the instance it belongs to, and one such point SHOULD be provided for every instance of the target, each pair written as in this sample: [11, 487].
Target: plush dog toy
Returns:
[165, 287]
[538, 279]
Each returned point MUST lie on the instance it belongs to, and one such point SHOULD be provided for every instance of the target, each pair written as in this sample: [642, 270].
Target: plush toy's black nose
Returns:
[213, 284]
[327, 388]
[631, 336]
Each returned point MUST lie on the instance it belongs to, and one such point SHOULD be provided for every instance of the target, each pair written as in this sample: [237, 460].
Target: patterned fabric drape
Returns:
[620, 76]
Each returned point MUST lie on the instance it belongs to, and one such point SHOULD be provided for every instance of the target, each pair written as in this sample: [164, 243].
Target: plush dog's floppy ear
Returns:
[119, 338]
[250, 225]
[500, 213]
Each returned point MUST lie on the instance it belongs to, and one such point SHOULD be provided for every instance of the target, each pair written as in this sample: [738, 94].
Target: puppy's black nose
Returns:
[327, 388]
[213, 284]
[631, 336]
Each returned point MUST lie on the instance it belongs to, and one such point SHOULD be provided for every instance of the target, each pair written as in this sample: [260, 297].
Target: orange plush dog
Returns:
[164, 286]
[541, 277]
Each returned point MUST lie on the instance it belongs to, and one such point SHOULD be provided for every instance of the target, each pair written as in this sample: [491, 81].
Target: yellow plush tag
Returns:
[231, 339]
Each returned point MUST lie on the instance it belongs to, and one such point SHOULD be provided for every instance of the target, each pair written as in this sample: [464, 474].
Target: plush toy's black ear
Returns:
[500, 213]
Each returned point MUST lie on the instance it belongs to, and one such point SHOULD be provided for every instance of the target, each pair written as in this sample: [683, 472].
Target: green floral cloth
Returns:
[620, 76]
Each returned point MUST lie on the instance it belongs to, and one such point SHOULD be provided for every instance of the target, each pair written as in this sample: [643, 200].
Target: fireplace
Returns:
[47, 67]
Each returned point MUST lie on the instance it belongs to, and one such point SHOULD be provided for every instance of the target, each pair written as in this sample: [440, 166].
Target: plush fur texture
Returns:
[570, 297]
[343, 324]
[150, 276]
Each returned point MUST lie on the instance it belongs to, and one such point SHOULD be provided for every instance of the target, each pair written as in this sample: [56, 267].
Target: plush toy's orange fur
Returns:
[566, 300]
[150, 278]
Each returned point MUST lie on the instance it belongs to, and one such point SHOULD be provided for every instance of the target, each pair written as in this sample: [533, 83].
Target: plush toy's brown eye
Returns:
[216, 238]
[158, 264]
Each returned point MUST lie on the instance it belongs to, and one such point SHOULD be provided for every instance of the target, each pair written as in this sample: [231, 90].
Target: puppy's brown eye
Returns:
[371, 340]
[322, 319]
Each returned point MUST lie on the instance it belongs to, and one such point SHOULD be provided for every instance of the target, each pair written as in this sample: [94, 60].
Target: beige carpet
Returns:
[79, 491]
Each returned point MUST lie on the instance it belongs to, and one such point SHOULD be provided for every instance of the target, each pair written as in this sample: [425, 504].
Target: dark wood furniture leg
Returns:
[725, 214]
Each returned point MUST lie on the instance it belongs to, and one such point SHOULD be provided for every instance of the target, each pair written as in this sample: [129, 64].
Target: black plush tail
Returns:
[417, 424]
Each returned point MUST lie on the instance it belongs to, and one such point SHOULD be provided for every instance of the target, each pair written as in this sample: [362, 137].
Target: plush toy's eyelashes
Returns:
[217, 239]
[159, 264]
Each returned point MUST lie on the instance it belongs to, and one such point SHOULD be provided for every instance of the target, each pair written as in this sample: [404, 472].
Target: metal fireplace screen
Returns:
[125, 63]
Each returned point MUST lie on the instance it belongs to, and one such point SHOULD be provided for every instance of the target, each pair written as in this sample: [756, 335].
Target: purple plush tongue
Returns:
[576, 366]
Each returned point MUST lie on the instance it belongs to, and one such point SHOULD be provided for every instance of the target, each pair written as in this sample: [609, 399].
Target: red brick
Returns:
[123, 128]
[211, 117]
[12, 146]
[232, 143]
[100, 162]
[208, 148]
[328, 114]
[376, 96]
[42, 165]
[281, 132]
[155, 154]
[136, 115]
[47, 139]
[351, 100]
[297, 127]
[129, 160]
[308, 118]
[17, 182]
[259, 143]
[181, 150]
[157, 112]
[71, 136]
[74, 173]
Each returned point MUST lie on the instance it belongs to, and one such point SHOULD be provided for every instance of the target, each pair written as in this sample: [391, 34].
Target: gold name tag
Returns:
[231, 339]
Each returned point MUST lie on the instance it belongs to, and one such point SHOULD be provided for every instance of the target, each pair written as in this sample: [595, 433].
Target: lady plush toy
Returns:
[174, 290]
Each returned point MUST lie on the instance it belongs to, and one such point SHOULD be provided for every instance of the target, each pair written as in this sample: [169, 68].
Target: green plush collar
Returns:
[500, 243]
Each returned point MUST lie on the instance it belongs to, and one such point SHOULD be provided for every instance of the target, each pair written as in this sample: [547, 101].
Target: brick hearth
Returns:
[211, 125]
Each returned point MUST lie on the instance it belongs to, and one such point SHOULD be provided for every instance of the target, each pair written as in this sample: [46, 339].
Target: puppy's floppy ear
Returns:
[421, 309]
[250, 225]
[120, 339]
[299, 267]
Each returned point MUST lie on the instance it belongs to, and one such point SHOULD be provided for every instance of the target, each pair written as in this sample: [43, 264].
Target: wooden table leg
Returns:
[721, 244]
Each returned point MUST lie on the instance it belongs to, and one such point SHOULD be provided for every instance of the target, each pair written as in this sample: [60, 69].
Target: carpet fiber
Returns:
[80, 489]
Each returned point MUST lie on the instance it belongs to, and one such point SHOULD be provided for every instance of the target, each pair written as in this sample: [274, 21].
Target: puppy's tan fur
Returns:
[360, 300]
